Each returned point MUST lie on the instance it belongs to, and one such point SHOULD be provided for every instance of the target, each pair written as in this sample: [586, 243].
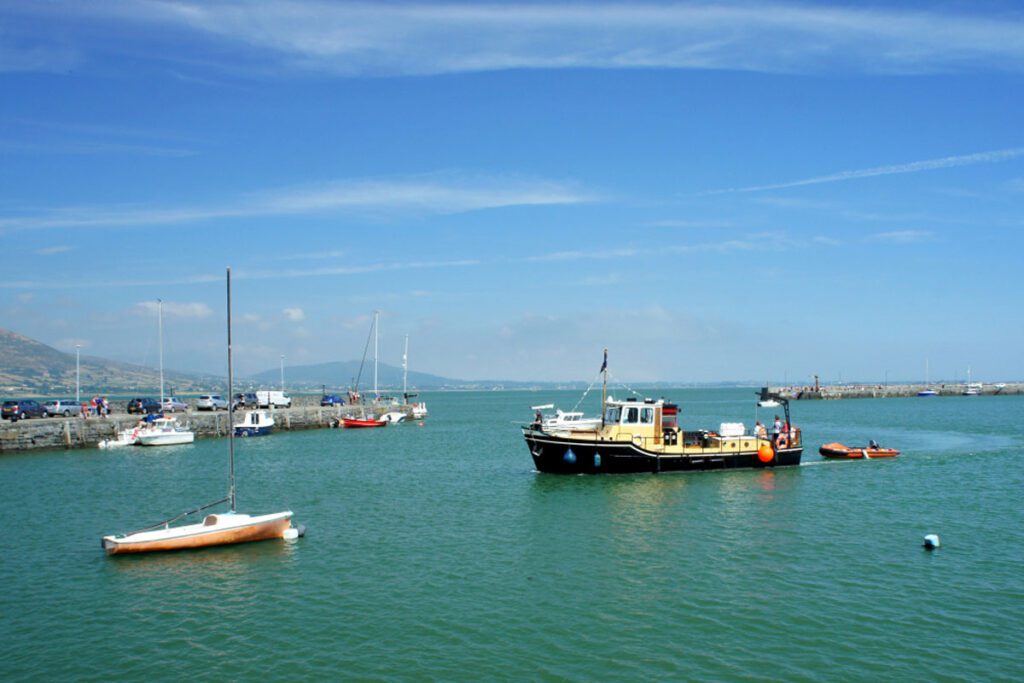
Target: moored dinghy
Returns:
[838, 451]
[215, 529]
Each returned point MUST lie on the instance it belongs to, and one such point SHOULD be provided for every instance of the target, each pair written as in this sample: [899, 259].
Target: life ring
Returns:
[783, 442]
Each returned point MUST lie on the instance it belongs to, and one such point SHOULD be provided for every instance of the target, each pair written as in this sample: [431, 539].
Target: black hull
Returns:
[559, 455]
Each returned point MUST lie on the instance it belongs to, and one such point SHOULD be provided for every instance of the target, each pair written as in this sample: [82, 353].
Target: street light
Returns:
[282, 373]
[78, 374]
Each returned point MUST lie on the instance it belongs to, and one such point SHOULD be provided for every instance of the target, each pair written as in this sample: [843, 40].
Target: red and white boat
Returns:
[353, 422]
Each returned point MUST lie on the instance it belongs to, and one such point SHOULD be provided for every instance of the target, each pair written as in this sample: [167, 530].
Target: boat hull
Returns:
[362, 424]
[201, 535]
[168, 439]
[840, 452]
[248, 430]
[565, 455]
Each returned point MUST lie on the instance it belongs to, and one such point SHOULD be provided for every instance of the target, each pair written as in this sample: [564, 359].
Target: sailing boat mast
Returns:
[405, 370]
[376, 318]
[231, 410]
[160, 327]
[604, 388]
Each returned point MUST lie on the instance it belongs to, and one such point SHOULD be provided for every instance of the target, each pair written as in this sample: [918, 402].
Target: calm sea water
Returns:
[436, 552]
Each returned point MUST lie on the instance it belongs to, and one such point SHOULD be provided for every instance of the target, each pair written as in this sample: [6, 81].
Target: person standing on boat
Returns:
[776, 430]
[759, 430]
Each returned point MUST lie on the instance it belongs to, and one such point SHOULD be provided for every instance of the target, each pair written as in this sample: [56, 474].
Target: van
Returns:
[277, 399]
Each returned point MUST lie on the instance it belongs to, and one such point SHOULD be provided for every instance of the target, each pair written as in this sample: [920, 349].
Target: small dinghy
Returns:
[840, 451]
[352, 422]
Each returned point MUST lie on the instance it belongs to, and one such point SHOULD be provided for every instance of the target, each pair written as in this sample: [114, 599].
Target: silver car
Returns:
[211, 402]
[173, 405]
[62, 407]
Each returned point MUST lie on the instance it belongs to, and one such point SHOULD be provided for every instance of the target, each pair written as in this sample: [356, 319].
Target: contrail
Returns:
[912, 167]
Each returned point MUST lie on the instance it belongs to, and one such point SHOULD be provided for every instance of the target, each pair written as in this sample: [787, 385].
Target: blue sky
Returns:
[714, 191]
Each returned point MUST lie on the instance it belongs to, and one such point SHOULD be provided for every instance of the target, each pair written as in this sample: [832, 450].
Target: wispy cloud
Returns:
[901, 236]
[56, 249]
[431, 195]
[360, 38]
[174, 310]
[583, 255]
[912, 167]
[294, 314]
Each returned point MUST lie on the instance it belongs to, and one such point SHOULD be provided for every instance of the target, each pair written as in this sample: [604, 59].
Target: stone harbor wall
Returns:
[76, 432]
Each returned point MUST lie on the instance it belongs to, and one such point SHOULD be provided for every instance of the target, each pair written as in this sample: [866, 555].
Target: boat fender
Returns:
[931, 542]
[569, 457]
[765, 454]
[597, 461]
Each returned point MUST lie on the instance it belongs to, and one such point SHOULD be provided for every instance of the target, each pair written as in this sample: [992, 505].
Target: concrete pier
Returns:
[76, 432]
[891, 391]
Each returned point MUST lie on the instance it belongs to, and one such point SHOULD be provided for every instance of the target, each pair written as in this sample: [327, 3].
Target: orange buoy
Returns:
[765, 453]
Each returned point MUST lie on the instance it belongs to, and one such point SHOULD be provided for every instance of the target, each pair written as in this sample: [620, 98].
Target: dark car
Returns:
[331, 400]
[245, 401]
[144, 406]
[20, 410]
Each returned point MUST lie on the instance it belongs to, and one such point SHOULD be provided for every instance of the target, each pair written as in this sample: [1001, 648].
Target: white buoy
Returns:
[291, 533]
[931, 542]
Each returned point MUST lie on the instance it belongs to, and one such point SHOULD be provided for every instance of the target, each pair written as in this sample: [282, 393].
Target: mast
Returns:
[604, 388]
[160, 326]
[405, 370]
[376, 317]
[231, 410]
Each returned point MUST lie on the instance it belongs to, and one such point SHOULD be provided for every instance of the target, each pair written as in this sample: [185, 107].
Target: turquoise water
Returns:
[436, 552]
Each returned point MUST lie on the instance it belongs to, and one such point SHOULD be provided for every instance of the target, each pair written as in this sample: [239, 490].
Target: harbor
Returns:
[76, 432]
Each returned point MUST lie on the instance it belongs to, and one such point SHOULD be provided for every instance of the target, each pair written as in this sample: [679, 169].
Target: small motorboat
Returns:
[255, 423]
[350, 422]
[165, 431]
[394, 416]
[840, 451]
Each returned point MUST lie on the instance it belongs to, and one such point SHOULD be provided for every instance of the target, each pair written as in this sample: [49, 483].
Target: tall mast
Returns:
[231, 409]
[604, 388]
[405, 370]
[376, 318]
[160, 317]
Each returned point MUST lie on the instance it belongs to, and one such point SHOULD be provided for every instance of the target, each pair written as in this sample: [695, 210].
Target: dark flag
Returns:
[604, 365]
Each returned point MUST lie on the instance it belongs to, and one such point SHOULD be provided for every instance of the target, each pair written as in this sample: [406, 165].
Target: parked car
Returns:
[245, 400]
[211, 402]
[172, 404]
[22, 409]
[144, 406]
[63, 406]
[331, 400]
[278, 399]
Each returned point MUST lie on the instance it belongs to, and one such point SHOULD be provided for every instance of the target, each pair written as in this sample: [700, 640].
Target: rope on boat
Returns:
[584, 396]
[628, 388]
[175, 519]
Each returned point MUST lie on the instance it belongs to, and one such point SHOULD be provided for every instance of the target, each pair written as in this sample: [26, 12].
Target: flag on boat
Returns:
[604, 365]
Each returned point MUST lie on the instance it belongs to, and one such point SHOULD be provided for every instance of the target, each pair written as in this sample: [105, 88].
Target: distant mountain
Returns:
[340, 375]
[31, 368]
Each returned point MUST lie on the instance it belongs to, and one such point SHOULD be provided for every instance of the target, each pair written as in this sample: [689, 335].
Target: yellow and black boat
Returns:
[644, 436]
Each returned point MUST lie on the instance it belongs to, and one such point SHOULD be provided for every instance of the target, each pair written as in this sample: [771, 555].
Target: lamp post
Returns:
[78, 374]
[282, 373]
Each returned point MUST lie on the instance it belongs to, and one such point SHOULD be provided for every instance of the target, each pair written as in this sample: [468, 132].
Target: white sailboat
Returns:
[163, 431]
[419, 410]
[971, 388]
[215, 529]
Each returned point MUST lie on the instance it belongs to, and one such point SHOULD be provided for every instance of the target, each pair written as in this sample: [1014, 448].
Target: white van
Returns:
[278, 399]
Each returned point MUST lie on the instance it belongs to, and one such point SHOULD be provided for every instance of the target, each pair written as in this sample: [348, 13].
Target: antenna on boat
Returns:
[231, 410]
[604, 388]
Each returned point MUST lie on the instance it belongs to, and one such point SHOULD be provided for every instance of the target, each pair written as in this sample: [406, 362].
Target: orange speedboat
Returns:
[840, 451]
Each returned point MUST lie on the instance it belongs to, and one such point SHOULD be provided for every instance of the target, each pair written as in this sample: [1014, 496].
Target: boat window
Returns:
[647, 416]
[611, 415]
[632, 416]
